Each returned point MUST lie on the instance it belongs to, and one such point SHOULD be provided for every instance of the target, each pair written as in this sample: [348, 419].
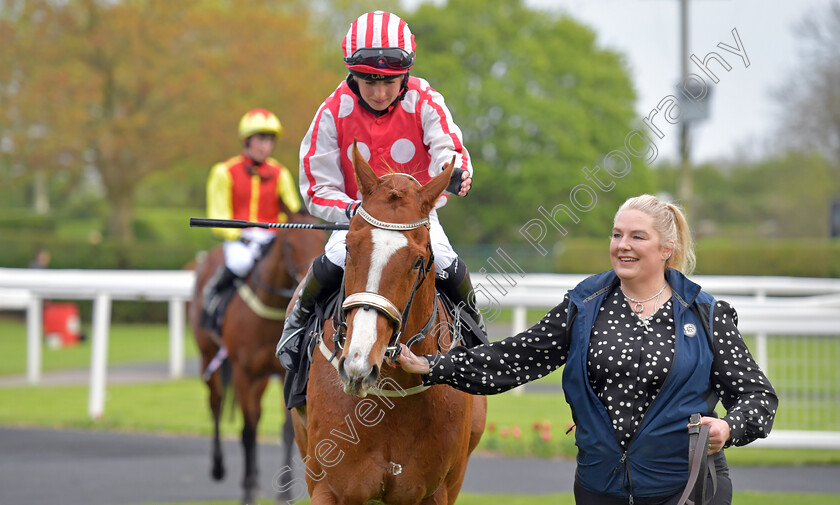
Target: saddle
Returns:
[296, 357]
[699, 464]
[218, 294]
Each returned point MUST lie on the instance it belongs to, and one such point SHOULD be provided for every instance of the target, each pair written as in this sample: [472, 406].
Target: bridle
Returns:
[368, 300]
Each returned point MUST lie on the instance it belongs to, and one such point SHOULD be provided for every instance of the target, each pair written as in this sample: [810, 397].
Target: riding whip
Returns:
[240, 223]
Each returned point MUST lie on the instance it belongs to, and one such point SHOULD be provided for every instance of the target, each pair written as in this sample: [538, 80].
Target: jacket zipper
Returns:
[623, 460]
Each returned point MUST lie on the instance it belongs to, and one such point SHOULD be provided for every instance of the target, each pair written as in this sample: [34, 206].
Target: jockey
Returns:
[250, 186]
[400, 124]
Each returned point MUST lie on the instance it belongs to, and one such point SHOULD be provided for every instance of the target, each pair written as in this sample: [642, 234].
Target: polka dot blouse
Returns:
[628, 360]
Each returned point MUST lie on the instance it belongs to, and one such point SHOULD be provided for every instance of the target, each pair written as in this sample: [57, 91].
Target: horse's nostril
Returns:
[373, 376]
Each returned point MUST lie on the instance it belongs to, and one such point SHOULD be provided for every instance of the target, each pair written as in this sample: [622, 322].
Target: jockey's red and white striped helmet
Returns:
[379, 43]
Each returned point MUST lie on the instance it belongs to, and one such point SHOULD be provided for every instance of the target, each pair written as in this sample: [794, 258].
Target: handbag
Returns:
[695, 492]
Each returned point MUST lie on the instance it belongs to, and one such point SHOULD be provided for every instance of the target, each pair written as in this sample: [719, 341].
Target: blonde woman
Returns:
[644, 348]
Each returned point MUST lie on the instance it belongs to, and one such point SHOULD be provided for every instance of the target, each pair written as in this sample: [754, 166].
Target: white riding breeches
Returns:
[240, 255]
[336, 251]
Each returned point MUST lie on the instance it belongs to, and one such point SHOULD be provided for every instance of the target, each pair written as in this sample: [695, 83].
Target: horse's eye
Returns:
[418, 264]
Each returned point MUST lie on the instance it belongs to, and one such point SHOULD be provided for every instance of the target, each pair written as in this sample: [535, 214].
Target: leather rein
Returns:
[699, 464]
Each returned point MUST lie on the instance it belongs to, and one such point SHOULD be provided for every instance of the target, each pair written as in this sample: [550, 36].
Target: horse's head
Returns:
[389, 275]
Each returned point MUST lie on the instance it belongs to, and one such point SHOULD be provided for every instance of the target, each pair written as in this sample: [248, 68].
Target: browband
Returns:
[391, 226]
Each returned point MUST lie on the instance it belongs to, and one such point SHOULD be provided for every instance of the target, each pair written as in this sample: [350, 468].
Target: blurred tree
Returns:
[810, 101]
[333, 17]
[537, 101]
[125, 89]
[328, 18]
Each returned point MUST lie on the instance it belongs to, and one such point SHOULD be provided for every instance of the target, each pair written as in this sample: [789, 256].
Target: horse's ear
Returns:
[366, 179]
[432, 190]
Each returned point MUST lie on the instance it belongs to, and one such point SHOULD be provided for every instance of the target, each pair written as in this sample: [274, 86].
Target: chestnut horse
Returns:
[249, 335]
[408, 443]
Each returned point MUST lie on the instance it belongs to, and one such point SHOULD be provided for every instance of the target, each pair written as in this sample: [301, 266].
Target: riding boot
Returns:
[322, 279]
[456, 284]
[214, 294]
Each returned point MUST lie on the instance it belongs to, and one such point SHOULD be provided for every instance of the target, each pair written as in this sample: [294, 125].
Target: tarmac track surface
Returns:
[70, 467]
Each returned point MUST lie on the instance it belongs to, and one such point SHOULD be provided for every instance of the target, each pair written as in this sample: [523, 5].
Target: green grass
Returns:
[135, 407]
[744, 498]
[127, 343]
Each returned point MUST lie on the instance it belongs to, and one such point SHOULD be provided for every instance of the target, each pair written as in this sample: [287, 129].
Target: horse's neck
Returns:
[271, 270]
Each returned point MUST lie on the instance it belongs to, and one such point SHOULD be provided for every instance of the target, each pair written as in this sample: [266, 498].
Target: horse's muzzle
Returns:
[357, 382]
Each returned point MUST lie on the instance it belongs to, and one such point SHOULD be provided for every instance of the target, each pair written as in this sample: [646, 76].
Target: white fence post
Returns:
[99, 355]
[761, 356]
[519, 324]
[176, 337]
[520, 319]
[34, 322]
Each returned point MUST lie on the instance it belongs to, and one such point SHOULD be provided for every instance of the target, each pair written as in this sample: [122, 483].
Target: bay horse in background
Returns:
[406, 443]
[252, 326]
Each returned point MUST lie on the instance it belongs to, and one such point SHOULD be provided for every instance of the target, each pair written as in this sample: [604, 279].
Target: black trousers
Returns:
[723, 496]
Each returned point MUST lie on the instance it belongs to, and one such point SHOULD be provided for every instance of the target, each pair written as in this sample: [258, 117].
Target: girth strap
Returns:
[254, 303]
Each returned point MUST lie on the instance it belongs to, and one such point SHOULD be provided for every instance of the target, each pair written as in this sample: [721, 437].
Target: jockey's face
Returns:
[379, 94]
[258, 147]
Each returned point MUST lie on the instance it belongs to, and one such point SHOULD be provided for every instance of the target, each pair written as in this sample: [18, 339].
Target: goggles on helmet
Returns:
[384, 58]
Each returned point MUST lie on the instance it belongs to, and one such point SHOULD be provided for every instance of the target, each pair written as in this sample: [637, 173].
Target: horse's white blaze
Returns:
[385, 244]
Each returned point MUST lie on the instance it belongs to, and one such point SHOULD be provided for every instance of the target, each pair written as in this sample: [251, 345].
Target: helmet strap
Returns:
[404, 88]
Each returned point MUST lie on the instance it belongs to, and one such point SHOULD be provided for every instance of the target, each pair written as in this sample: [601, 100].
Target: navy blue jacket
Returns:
[656, 461]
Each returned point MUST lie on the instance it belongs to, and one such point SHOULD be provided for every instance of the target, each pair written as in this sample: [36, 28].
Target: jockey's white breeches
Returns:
[240, 255]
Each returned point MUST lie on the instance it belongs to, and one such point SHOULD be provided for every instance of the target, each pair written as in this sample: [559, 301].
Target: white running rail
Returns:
[766, 306]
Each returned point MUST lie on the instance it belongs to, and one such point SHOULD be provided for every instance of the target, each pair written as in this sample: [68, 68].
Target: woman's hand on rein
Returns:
[412, 363]
[718, 433]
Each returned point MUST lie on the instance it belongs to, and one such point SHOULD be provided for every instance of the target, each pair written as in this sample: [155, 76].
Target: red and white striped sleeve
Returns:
[441, 134]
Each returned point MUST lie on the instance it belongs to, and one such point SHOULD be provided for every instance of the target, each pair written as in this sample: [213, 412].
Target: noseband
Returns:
[367, 299]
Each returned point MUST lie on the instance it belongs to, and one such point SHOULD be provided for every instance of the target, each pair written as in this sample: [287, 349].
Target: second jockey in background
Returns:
[400, 124]
[254, 187]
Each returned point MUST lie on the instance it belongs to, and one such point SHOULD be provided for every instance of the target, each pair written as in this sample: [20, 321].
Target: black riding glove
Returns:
[351, 209]
[455, 181]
